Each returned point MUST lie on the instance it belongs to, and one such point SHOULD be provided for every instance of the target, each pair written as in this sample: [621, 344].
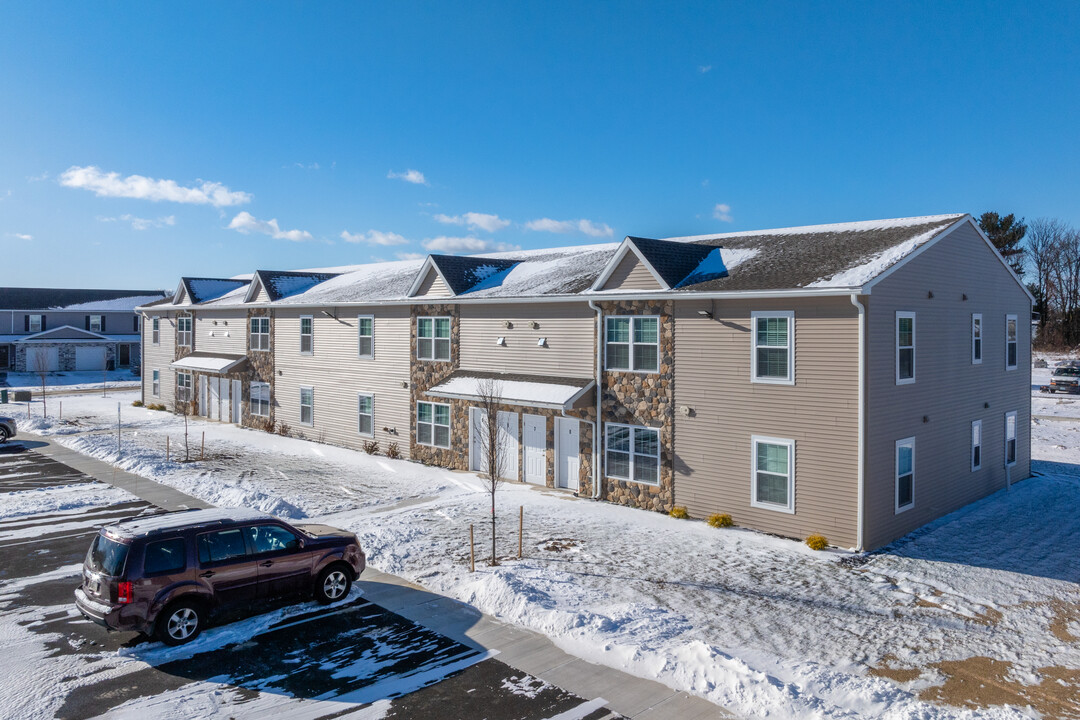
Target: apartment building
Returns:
[856, 380]
[66, 329]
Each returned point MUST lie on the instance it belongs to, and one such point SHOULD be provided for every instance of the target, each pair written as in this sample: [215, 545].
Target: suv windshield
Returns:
[1067, 372]
[107, 556]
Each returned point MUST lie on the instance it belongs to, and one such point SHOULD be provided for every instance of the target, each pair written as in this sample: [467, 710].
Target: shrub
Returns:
[155, 406]
[283, 429]
[392, 451]
[679, 512]
[371, 447]
[817, 542]
[137, 403]
[720, 520]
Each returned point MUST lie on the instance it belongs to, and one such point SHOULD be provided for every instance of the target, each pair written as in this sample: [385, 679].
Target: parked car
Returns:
[7, 429]
[168, 575]
[1066, 379]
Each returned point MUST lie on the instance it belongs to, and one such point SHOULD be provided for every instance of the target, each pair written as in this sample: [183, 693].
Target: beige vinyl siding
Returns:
[433, 286]
[568, 329]
[820, 413]
[261, 296]
[631, 274]
[949, 391]
[159, 357]
[338, 375]
[228, 336]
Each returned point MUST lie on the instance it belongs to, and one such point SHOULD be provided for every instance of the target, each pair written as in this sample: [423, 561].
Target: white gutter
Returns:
[862, 422]
[599, 397]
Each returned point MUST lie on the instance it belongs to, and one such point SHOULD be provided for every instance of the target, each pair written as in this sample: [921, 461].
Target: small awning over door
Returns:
[208, 363]
[538, 391]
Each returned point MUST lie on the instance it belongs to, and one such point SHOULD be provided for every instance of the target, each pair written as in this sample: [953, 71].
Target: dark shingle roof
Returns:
[674, 261]
[203, 289]
[49, 298]
[281, 283]
[463, 273]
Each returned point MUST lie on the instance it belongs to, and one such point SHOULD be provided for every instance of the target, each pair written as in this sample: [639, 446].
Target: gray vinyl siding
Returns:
[338, 375]
[227, 336]
[569, 330]
[116, 323]
[631, 274]
[433, 286]
[949, 391]
[820, 413]
[159, 357]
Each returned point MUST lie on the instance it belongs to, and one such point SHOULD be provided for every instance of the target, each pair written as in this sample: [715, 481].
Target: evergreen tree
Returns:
[1006, 232]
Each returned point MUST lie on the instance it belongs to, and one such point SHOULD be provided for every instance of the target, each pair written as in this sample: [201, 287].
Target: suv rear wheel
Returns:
[180, 623]
[3, 435]
[333, 584]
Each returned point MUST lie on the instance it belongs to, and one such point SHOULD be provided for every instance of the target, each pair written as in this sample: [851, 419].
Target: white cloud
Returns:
[303, 166]
[722, 212]
[38, 178]
[410, 176]
[587, 227]
[475, 221]
[410, 256]
[21, 236]
[139, 223]
[111, 184]
[704, 68]
[246, 223]
[445, 244]
[374, 237]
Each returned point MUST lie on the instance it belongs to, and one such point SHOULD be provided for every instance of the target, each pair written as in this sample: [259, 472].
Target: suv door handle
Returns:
[268, 563]
[208, 573]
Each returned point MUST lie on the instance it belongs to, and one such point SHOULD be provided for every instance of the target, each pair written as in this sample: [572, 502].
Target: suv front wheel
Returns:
[332, 584]
[180, 623]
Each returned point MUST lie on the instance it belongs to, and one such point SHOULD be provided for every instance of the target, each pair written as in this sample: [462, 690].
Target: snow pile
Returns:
[60, 500]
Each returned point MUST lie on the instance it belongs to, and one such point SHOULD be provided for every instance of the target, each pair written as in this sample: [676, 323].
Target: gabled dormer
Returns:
[644, 264]
[192, 291]
[273, 285]
[443, 276]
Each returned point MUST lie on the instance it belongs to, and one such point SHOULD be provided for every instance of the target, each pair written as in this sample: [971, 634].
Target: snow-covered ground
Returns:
[70, 380]
[979, 608]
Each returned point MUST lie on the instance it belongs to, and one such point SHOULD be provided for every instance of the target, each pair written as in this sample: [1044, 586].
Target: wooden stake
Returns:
[521, 525]
[166, 448]
[61, 409]
[472, 551]
[202, 448]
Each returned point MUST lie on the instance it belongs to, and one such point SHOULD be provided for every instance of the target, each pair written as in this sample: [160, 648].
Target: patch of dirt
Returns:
[989, 616]
[1064, 613]
[560, 545]
[900, 675]
[979, 682]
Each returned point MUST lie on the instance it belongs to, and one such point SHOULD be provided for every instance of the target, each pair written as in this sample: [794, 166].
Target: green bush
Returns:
[817, 542]
[720, 520]
[679, 512]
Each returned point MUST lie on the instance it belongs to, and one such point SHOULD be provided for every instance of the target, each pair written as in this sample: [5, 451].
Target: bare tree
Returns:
[1043, 242]
[41, 369]
[494, 458]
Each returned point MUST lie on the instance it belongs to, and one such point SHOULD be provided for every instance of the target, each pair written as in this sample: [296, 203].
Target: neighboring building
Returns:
[70, 329]
[856, 380]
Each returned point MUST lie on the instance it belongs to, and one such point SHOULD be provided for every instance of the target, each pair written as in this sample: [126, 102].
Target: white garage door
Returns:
[90, 357]
[35, 356]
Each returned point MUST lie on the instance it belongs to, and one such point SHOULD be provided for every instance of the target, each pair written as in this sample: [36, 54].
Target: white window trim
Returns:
[449, 426]
[370, 396]
[450, 340]
[371, 356]
[976, 424]
[100, 322]
[1017, 341]
[790, 315]
[906, 442]
[251, 335]
[188, 387]
[155, 383]
[914, 344]
[39, 323]
[633, 429]
[190, 333]
[251, 393]
[155, 330]
[977, 360]
[630, 344]
[1016, 458]
[311, 335]
[754, 441]
[300, 415]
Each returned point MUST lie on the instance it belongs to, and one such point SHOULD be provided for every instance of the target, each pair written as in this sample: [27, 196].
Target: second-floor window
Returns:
[260, 333]
[1010, 342]
[35, 323]
[183, 331]
[307, 334]
[633, 343]
[433, 338]
[155, 331]
[905, 348]
[774, 346]
[365, 333]
[97, 323]
[976, 339]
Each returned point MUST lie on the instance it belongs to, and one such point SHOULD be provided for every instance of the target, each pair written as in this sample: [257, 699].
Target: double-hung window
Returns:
[633, 343]
[35, 323]
[260, 333]
[773, 347]
[155, 388]
[183, 331]
[365, 337]
[155, 331]
[183, 386]
[366, 414]
[1010, 438]
[1010, 342]
[905, 474]
[307, 334]
[633, 453]
[772, 475]
[96, 323]
[260, 399]
[976, 445]
[433, 424]
[307, 406]
[976, 338]
[905, 348]
[433, 338]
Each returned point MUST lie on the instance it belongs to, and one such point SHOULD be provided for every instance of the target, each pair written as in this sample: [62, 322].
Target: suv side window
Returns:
[221, 546]
[271, 538]
[164, 557]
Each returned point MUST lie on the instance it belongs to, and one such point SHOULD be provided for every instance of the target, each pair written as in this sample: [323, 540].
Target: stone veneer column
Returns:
[425, 374]
[180, 352]
[260, 369]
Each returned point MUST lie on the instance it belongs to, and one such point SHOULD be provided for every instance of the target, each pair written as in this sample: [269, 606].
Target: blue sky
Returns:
[259, 133]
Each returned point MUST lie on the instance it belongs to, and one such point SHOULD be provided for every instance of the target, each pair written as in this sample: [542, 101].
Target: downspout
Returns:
[862, 421]
[599, 396]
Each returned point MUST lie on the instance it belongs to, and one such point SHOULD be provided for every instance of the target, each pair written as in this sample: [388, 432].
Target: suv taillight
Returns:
[124, 593]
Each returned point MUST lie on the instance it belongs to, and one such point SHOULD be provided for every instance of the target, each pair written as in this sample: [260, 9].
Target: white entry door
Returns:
[89, 357]
[39, 357]
[535, 440]
[237, 396]
[224, 399]
[568, 464]
[508, 444]
[214, 400]
[203, 409]
[477, 425]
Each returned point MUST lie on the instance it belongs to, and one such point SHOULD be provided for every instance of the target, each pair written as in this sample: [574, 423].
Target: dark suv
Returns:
[168, 574]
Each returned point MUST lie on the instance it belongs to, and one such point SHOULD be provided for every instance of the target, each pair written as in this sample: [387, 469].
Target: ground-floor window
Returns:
[183, 386]
[1010, 438]
[772, 474]
[905, 474]
[5, 356]
[307, 406]
[366, 414]
[260, 399]
[976, 445]
[433, 424]
[156, 387]
[633, 453]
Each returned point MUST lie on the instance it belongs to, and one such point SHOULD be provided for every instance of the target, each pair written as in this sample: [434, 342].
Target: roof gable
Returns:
[669, 263]
[65, 332]
[273, 285]
[459, 274]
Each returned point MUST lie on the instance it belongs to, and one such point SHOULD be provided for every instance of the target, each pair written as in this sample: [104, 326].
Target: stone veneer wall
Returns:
[425, 374]
[646, 400]
[65, 354]
[260, 369]
[179, 352]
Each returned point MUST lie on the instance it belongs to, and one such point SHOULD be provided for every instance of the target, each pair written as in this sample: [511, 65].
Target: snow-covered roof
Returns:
[514, 389]
[203, 289]
[12, 298]
[209, 362]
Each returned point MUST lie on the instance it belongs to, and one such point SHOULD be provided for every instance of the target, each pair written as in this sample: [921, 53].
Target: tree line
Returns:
[1045, 253]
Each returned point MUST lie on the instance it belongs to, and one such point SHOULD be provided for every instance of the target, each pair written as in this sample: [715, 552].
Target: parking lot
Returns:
[354, 659]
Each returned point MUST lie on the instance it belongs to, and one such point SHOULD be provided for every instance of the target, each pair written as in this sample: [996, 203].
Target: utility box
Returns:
[22, 396]
[3, 397]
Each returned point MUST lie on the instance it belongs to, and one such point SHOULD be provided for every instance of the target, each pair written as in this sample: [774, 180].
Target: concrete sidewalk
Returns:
[517, 647]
